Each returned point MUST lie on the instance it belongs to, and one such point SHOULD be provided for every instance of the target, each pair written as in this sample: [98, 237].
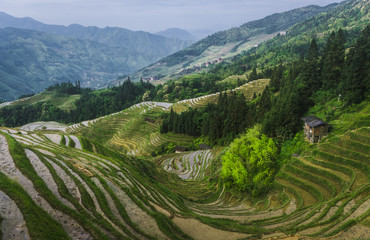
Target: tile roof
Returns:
[313, 121]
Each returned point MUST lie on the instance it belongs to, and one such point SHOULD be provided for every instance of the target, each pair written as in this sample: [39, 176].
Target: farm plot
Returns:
[189, 166]
[248, 89]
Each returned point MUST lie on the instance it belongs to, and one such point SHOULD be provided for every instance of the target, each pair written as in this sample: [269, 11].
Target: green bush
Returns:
[250, 163]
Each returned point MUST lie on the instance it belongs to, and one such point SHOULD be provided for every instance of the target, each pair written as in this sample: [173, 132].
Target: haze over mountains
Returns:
[177, 33]
[37, 55]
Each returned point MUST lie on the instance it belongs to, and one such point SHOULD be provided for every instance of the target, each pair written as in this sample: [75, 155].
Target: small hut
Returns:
[315, 128]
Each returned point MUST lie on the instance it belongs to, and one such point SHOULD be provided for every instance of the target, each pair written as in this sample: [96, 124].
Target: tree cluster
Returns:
[331, 73]
[250, 162]
[220, 122]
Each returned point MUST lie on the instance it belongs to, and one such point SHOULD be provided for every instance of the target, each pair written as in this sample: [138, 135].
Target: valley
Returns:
[258, 132]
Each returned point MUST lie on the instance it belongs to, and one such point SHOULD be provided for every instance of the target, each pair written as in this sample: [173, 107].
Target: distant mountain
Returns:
[136, 40]
[31, 61]
[90, 54]
[226, 44]
[177, 33]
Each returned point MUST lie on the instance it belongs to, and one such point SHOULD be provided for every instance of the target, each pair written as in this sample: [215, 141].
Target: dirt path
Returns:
[13, 225]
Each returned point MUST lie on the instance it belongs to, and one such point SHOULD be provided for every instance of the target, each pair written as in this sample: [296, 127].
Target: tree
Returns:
[333, 60]
[253, 75]
[356, 77]
[311, 70]
[250, 163]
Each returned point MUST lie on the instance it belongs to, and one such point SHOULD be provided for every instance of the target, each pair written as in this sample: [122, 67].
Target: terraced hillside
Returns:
[78, 181]
[82, 195]
[136, 129]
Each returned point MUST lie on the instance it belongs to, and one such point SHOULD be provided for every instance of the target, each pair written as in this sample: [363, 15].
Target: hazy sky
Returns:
[152, 15]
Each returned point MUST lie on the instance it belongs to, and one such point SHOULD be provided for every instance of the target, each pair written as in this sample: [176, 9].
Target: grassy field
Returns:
[63, 101]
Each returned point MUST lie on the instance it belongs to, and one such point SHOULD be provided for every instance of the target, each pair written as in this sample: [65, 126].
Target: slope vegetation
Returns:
[84, 190]
[136, 129]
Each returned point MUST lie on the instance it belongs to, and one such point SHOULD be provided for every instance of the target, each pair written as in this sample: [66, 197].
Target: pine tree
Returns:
[311, 70]
[356, 80]
[333, 61]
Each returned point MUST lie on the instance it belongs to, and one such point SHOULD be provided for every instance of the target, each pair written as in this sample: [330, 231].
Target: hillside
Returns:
[226, 44]
[47, 54]
[82, 189]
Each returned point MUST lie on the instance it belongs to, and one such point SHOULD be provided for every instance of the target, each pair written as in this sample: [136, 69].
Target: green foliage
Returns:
[297, 145]
[356, 77]
[250, 163]
[164, 148]
[71, 143]
[221, 122]
[63, 140]
[67, 88]
[333, 60]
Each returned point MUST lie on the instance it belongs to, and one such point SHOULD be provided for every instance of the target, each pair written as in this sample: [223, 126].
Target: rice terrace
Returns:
[84, 190]
[260, 131]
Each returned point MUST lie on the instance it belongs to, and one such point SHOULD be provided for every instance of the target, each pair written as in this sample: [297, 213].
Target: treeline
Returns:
[68, 88]
[93, 104]
[220, 122]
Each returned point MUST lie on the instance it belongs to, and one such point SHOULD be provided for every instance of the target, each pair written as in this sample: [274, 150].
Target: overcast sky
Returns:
[152, 15]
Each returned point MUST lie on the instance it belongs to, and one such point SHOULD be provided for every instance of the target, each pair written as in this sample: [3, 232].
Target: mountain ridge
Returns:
[112, 51]
[229, 42]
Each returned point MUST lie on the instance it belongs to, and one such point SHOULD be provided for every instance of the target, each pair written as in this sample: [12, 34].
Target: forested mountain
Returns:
[32, 61]
[45, 54]
[225, 44]
[142, 42]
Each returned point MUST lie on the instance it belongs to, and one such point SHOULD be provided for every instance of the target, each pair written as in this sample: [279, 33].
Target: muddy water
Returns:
[45, 174]
[136, 214]
[111, 204]
[7, 166]
[201, 231]
[68, 181]
[77, 141]
[55, 138]
[13, 225]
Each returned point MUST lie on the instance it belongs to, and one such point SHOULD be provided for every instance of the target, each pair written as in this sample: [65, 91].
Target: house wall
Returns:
[315, 134]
